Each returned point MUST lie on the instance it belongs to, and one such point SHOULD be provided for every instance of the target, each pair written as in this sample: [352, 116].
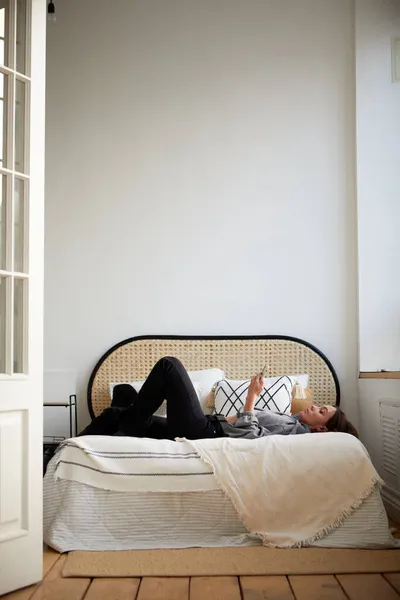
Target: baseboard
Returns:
[391, 500]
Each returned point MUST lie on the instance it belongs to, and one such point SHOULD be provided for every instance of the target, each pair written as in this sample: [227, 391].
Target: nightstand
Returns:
[50, 443]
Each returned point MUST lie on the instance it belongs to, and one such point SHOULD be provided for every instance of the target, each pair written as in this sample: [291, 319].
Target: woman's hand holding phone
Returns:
[256, 384]
[255, 388]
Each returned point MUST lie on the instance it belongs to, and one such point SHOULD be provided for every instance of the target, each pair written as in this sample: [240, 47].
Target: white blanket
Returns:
[289, 490]
[292, 490]
[128, 464]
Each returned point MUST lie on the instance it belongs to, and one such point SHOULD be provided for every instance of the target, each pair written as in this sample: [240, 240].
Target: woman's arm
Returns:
[255, 389]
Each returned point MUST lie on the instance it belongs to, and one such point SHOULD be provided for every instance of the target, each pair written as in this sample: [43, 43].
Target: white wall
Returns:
[200, 176]
[378, 189]
[378, 173]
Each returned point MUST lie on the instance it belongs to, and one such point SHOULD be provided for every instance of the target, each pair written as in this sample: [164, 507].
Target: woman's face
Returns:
[317, 416]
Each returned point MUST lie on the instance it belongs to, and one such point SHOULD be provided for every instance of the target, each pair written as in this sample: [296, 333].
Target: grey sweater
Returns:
[256, 424]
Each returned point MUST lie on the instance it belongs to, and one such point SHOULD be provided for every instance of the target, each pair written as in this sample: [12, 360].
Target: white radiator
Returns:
[390, 431]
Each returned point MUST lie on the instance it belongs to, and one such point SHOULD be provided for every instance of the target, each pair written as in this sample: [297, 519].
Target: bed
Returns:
[80, 516]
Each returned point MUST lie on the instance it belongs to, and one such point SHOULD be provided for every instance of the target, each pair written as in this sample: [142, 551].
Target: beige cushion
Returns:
[299, 405]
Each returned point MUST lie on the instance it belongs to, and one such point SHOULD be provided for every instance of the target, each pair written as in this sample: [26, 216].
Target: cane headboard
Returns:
[239, 357]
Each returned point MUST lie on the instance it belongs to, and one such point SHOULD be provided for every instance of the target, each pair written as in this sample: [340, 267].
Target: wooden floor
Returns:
[384, 586]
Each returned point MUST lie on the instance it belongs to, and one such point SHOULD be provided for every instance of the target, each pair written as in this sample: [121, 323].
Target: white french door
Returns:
[22, 113]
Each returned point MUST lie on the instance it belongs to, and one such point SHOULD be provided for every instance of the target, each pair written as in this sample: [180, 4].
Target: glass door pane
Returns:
[3, 119]
[15, 17]
[19, 325]
[3, 323]
[21, 37]
[3, 222]
[19, 225]
[20, 125]
[4, 32]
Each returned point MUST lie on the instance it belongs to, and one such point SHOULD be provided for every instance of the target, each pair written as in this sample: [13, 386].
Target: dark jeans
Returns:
[168, 380]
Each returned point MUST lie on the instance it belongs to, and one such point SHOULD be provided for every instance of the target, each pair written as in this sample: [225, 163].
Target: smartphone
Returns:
[264, 370]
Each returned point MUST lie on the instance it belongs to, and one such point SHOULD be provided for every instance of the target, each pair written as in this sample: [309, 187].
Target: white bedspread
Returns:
[288, 490]
[128, 464]
[292, 490]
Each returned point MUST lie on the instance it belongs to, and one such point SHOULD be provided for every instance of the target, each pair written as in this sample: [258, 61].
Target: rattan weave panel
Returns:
[239, 358]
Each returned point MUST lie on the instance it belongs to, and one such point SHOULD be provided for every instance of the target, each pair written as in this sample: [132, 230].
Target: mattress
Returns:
[81, 517]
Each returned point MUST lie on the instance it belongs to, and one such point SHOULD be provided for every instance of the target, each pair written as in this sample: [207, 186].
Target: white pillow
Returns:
[230, 394]
[206, 379]
[202, 381]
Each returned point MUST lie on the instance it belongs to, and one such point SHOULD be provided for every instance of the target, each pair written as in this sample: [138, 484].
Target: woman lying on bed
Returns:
[169, 381]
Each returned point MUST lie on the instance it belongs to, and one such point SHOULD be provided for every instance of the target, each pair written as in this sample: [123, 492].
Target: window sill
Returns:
[380, 375]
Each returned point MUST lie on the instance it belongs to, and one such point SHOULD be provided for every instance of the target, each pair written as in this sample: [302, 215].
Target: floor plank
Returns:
[114, 588]
[393, 579]
[266, 588]
[50, 556]
[316, 587]
[214, 588]
[164, 588]
[55, 587]
[367, 587]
